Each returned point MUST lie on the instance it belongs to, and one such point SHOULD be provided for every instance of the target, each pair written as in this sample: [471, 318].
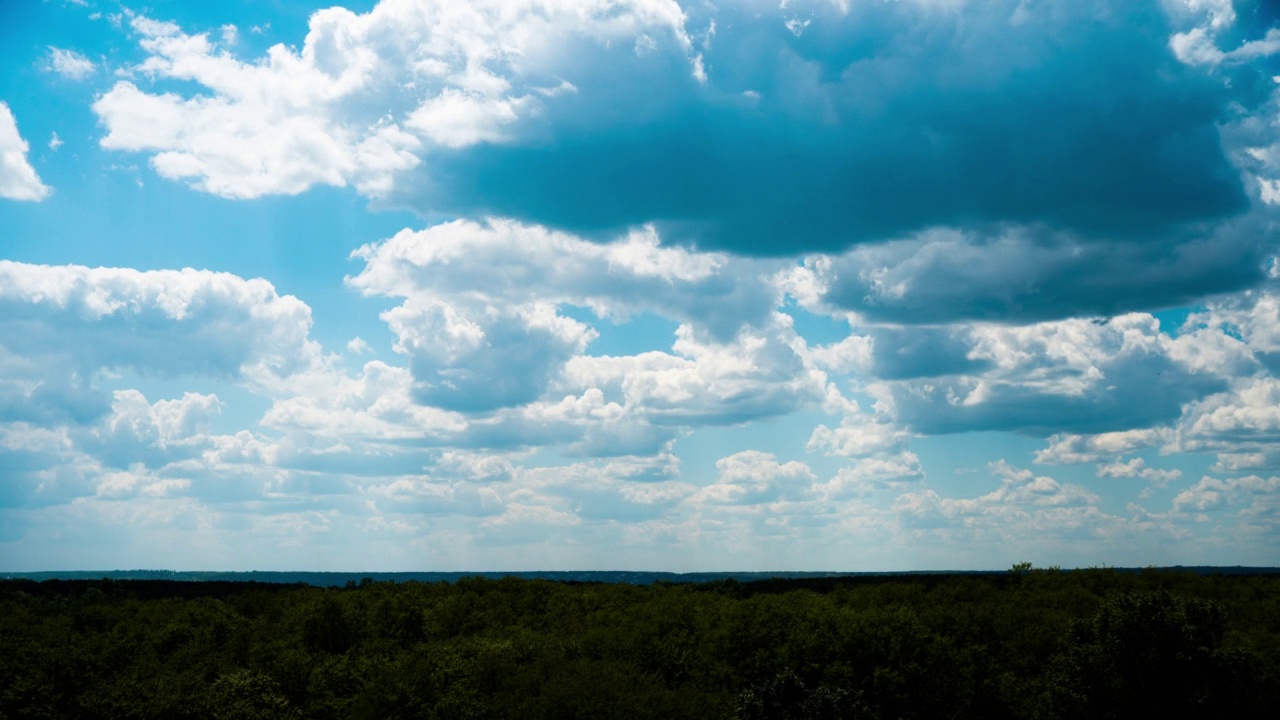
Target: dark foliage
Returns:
[1025, 644]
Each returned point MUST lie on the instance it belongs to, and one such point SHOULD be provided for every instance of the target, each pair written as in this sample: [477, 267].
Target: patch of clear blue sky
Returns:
[111, 209]
[636, 334]
[301, 244]
[816, 329]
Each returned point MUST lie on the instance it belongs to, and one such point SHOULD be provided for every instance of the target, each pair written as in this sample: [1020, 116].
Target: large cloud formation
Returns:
[1006, 161]
[759, 129]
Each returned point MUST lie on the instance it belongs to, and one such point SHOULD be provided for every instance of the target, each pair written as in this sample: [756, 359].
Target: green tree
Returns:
[1151, 654]
[785, 697]
[248, 695]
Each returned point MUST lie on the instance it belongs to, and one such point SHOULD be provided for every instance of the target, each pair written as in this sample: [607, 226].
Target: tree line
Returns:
[1027, 644]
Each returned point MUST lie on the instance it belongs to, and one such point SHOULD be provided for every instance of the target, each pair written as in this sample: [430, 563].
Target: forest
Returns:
[1029, 643]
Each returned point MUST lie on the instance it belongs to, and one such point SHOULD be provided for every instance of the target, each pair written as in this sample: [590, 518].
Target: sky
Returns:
[843, 285]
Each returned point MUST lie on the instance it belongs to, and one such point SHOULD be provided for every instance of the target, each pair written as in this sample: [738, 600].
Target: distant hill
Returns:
[338, 579]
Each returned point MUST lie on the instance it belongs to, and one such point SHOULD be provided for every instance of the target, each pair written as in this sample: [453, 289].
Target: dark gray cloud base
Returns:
[889, 119]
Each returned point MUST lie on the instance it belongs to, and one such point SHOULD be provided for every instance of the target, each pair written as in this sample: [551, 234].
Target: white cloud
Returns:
[752, 477]
[707, 382]
[1198, 44]
[1137, 468]
[18, 180]
[1068, 448]
[136, 449]
[627, 489]
[364, 98]
[167, 321]
[137, 481]
[504, 262]
[858, 435]
[376, 405]
[483, 328]
[62, 327]
[55, 142]
[70, 64]
[871, 474]
[1075, 376]
[1242, 425]
[1252, 317]
[1251, 410]
[164, 426]
[487, 361]
[1024, 505]
[227, 154]
[1212, 493]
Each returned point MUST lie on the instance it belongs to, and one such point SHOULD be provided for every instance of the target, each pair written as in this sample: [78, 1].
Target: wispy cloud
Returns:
[70, 64]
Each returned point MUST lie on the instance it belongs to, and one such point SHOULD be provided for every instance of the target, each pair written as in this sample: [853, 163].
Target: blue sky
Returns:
[639, 284]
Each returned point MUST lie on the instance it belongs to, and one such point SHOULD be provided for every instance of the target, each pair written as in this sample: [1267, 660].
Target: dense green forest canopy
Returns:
[1025, 644]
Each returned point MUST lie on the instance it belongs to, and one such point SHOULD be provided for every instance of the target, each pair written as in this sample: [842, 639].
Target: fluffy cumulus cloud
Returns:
[483, 328]
[366, 96]
[1137, 468]
[66, 331]
[1239, 336]
[871, 474]
[1081, 376]
[505, 262]
[69, 334]
[1069, 448]
[18, 180]
[1023, 503]
[1211, 493]
[752, 477]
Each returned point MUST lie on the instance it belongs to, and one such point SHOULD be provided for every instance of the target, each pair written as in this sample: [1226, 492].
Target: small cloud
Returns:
[699, 69]
[645, 44]
[357, 346]
[229, 34]
[797, 26]
[263, 29]
[1137, 468]
[55, 142]
[69, 64]
[565, 87]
